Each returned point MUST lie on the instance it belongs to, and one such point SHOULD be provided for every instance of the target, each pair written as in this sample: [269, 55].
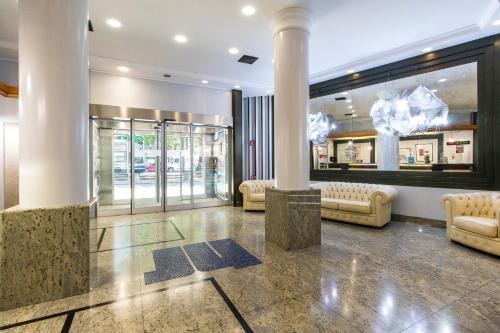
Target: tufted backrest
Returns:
[484, 204]
[258, 186]
[347, 191]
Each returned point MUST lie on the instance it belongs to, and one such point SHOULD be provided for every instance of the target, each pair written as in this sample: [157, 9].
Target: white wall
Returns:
[422, 201]
[9, 73]
[8, 114]
[139, 93]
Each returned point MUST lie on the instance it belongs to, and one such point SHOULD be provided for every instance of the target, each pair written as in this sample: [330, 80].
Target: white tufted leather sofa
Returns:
[254, 193]
[473, 219]
[366, 204]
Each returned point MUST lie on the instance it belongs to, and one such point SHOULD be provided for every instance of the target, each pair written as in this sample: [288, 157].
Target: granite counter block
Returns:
[293, 218]
[44, 254]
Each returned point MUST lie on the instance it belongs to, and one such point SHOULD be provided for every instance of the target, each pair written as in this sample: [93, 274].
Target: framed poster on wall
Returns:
[404, 153]
[423, 150]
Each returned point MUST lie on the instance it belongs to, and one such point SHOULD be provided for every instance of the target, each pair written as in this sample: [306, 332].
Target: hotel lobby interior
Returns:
[250, 166]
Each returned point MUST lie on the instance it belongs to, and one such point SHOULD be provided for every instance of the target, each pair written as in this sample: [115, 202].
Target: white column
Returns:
[389, 152]
[291, 97]
[53, 103]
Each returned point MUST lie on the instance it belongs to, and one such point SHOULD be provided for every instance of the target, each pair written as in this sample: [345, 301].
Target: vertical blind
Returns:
[258, 137]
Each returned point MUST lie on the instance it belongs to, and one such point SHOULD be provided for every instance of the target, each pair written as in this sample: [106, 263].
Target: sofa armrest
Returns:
[385, 193]
[244, 188]
[498, 220]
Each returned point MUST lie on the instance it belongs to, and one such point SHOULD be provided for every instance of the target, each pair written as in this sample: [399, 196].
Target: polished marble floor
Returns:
[402, 278]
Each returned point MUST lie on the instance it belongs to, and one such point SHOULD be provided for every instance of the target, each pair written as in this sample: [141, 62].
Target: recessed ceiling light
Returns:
[350, 71]
[204, 81]
[180, 39]
[123, 69]
[427, 49]
[114, 23]
[272, 60]
[354, 115]
[350, 106]
[352, 111]
[236, 86]
[442, 80]
[497, 22]
[248, 10]
[233, 50]
[345, 93]
[434, 90]
[348, 101]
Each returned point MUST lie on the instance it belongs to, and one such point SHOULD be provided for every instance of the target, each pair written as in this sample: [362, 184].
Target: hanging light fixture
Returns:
[351, 152]
[409, 112]
[320, 125]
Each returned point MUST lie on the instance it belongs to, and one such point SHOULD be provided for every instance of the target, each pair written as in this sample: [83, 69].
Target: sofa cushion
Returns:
[329, 203]
[354, 206]
[257, 197]
[479, 225]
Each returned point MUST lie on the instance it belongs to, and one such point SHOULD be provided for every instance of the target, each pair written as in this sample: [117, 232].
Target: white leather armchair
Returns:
[254, 193]
[473, 219]
[367, 204]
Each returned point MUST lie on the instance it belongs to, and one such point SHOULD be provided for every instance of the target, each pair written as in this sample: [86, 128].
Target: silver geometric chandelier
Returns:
[320, 126]
[409, 112]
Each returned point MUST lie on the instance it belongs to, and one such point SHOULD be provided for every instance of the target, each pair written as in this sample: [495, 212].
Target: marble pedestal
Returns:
[293, 218]
[44, 254]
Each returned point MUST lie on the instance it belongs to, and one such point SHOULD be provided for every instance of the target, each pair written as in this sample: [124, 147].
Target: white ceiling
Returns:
[346, 34]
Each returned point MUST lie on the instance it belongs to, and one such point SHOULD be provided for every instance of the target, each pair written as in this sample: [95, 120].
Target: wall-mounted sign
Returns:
[457, 143]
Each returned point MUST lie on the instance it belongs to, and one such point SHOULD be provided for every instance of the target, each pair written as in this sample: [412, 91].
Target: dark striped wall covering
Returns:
[258, 137]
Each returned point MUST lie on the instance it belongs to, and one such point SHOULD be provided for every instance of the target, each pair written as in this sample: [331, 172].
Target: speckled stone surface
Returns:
[293, 218]
[44, 254]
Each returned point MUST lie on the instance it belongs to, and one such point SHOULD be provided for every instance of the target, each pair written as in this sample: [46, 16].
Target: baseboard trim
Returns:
[419, 220]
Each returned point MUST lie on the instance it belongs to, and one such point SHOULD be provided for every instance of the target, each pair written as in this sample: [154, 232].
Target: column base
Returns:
[293, 218]
[44, 254]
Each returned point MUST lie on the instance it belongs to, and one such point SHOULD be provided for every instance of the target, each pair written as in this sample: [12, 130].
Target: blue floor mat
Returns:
[234, 253]
[204, 258]
[170, 263]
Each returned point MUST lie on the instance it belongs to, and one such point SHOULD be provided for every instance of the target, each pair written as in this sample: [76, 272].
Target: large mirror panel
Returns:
[424, 122]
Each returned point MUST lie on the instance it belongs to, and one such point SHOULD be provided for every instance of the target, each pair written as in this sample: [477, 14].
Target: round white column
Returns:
[291, 97]
[53, 103]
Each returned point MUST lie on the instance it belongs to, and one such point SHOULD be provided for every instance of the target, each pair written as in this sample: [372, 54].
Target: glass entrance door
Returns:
[145, 166]
[211, 177]
[112, 166]
[178, 169]
[147, 158]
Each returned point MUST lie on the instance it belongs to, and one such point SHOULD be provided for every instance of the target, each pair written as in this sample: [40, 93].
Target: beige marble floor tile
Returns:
[376, 305]
[114, 221]
[184, 308]
[48, 325]
[121, 316]
[135, 235]
[402, 276]
[24, 313]
[304, 313]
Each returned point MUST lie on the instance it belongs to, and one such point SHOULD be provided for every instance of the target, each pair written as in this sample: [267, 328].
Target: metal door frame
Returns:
[119, 211]
[164, 207]
[228, 167]
[160, 168]
[181, 206]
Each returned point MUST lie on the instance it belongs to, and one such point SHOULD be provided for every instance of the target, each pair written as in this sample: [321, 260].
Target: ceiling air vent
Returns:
[246, 59]
[340, 98]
